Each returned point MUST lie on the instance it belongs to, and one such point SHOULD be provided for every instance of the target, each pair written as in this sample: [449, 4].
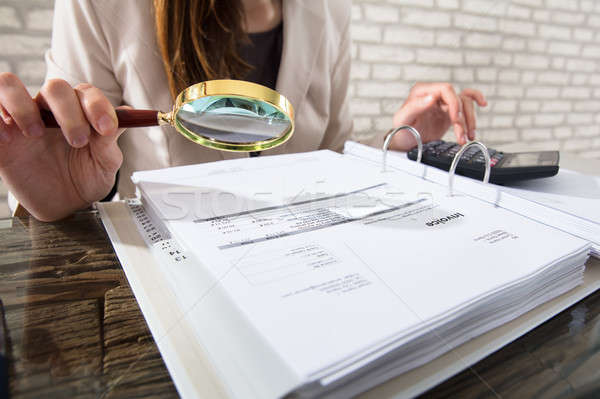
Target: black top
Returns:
[263, 53]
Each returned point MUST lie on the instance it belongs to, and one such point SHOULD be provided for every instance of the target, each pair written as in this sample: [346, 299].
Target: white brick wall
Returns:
[24, 37]
[25, 29]
[536, 60]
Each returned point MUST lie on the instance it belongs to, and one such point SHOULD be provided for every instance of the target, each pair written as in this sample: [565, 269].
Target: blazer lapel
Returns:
[302, 35]
[303, 28]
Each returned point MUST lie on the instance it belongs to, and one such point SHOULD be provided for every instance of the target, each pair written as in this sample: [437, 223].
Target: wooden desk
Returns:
[75, 329]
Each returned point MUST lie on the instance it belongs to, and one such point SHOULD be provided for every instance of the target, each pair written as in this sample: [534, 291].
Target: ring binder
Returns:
[486, 155]
[322, 250]
[388, 140]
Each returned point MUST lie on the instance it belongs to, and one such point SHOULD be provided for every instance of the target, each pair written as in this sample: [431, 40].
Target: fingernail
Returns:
[4, 137]
[106, 124]
[5, 116]
[79, 141]
[35, 130]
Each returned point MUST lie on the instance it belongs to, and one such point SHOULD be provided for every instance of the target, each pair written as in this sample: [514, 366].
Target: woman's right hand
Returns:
[54, 172]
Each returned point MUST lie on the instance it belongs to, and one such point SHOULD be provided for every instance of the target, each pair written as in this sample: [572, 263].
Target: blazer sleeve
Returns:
[79, 51]
[340, 123]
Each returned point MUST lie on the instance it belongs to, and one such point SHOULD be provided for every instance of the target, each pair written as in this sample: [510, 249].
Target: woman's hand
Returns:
[54, 172]
[432, 108]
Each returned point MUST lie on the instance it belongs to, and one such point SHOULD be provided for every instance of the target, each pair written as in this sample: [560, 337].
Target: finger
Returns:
[60, 98]
[106, 151]
[460, 128]
[412, 108]
[469, 113]
[97, 109]
[5, 132]
[475, 95]
[455, 112]
[450, 98]
[18, 104]
[407, 115]
[444, 92]
[8, 126]
[104, 140]
[5, 115]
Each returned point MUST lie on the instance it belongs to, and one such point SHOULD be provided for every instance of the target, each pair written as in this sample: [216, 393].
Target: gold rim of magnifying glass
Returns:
[231, 88]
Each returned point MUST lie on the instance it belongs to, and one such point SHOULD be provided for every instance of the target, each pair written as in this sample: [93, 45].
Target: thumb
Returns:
[110, 138]
[106, 150]
[412, 109]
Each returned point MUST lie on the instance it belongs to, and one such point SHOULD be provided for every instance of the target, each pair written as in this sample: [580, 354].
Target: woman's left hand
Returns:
[432, 108]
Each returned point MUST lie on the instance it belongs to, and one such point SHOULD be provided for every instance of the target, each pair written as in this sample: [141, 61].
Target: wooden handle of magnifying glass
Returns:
[126, 118]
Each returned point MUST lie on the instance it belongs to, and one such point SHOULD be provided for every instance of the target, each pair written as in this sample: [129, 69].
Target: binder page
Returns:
[571, 192]
[330, 259]
[576, 213]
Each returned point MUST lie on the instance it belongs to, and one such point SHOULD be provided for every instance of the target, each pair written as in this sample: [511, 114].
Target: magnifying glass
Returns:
[229, 115]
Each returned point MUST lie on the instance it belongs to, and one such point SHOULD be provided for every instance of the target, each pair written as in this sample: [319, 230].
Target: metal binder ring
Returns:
[390, 135]
[486, 155]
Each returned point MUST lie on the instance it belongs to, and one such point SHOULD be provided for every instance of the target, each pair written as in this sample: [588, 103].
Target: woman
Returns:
[110, 53]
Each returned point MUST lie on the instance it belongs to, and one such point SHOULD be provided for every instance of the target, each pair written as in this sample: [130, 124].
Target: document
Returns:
[328, 265]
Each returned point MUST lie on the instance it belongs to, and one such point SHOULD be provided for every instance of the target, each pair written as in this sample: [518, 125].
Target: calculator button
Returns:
[444, 152]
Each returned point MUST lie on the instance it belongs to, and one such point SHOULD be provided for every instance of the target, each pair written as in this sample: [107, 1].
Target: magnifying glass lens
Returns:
[232, 119]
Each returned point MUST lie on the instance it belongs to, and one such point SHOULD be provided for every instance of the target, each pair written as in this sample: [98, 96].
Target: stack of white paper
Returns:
[317, 274]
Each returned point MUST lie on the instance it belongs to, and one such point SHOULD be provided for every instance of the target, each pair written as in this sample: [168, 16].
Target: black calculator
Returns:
[506, 167]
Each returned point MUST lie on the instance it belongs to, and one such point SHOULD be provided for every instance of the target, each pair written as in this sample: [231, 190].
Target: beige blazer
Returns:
[112, 45]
